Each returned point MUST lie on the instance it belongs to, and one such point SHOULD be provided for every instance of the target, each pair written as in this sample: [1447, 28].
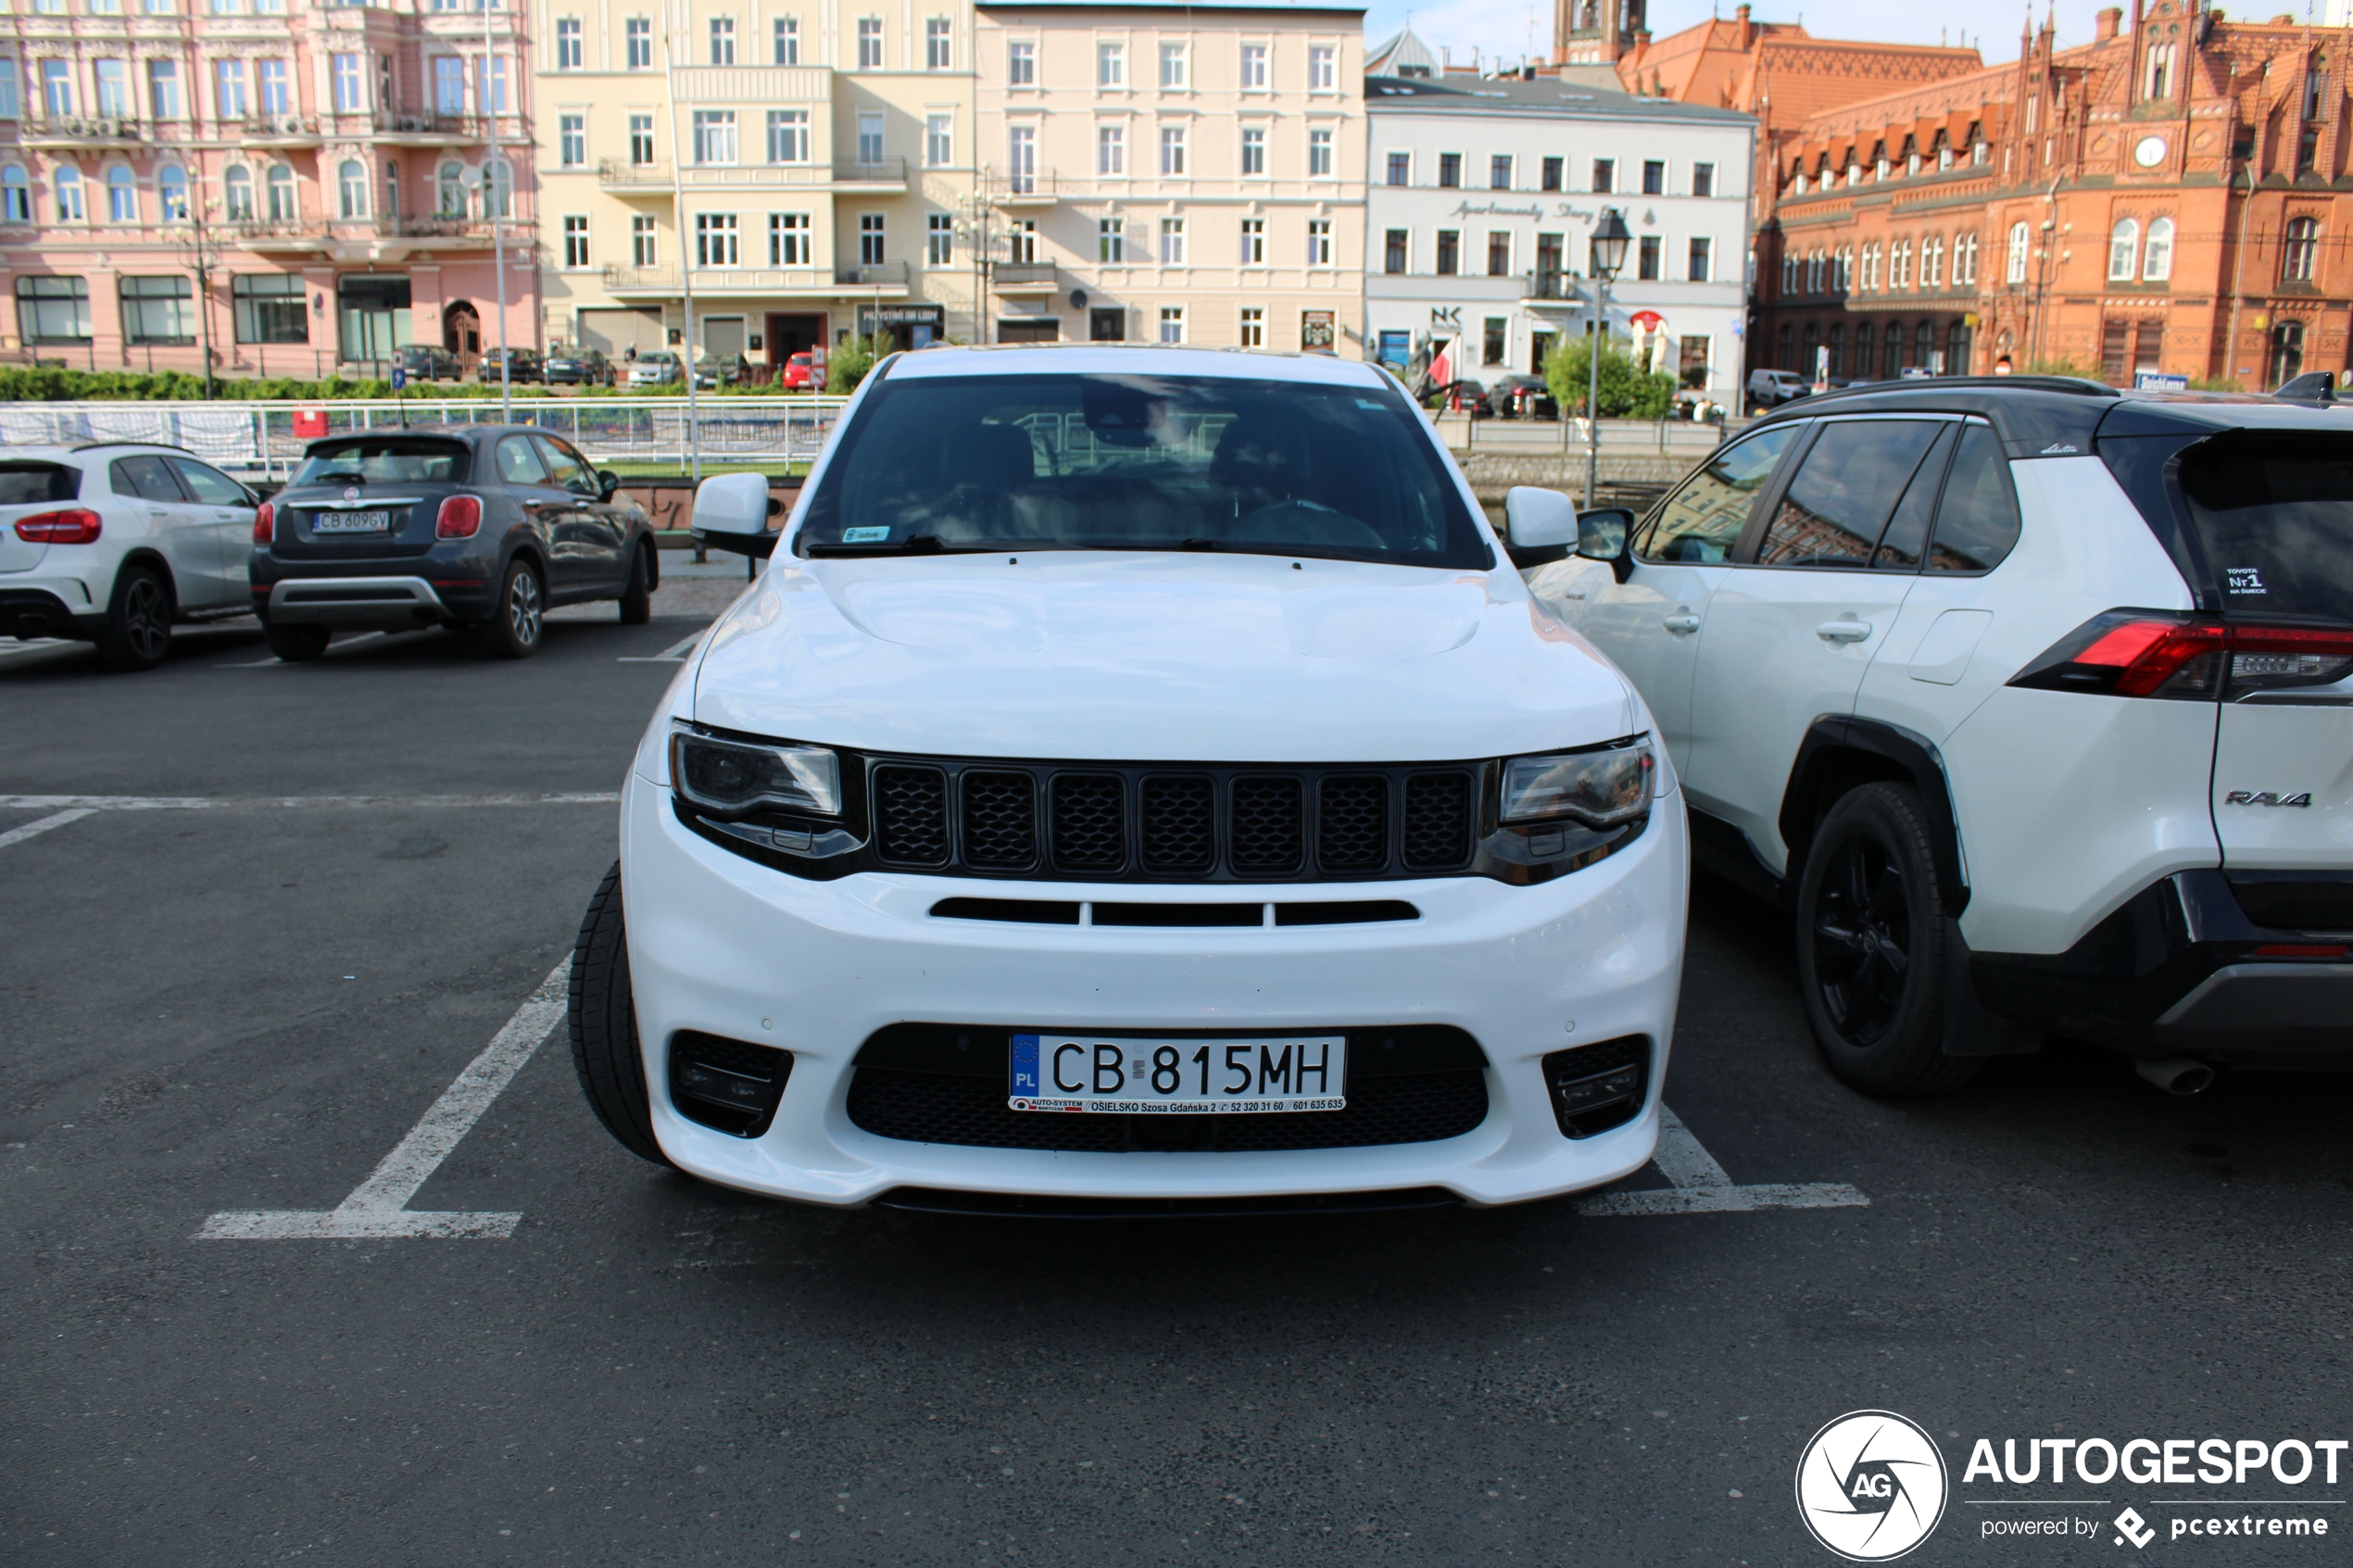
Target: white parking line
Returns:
[1702, 1187]
[293, 802]
[56, 820]
[674, 654]
[37, 644]
[377, 1207]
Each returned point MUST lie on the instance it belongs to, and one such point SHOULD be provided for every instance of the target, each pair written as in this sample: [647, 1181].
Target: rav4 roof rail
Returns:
[2075, 386]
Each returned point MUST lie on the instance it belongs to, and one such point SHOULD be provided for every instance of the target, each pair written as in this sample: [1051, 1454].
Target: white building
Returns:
[1482, 195]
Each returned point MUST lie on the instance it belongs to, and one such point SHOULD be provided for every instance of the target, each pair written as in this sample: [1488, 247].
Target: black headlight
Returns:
[1602, 786]
[732, 776]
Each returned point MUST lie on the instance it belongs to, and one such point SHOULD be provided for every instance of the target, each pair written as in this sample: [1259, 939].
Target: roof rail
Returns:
[161, 445]
[2075, 386]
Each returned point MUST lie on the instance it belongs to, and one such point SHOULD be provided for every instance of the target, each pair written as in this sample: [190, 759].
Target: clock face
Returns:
[2149, 151]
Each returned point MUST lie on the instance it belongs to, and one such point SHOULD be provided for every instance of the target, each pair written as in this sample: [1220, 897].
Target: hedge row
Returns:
[20, 383]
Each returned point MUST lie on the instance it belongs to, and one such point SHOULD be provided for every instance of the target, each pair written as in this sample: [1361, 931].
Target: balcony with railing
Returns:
[623, 178]
[1030, 189]
[82, 130]
[883, 278]
[274, 131]
[418, 231]
[1551, 286]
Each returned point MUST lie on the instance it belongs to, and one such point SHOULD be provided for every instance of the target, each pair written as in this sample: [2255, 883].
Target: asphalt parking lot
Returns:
[304, 899]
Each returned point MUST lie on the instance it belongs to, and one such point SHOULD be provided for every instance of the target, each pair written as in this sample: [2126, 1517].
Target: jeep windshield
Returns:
[385, 459]
[1141, 462]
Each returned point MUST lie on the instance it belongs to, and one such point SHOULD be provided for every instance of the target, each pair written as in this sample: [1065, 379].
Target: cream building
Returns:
[755, 176]
[1174, 174]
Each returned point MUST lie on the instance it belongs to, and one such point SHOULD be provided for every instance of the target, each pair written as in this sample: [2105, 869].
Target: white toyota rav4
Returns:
[2031, 698]
[1139, 779]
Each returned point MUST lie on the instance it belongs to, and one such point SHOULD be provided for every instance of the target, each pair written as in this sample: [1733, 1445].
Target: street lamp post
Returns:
[202, 248]
[1608, 255]
[496, 195]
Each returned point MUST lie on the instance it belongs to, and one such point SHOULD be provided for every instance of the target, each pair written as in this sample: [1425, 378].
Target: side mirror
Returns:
[1539, 525]
[607, 483]
[1602, 535]
[732, 512]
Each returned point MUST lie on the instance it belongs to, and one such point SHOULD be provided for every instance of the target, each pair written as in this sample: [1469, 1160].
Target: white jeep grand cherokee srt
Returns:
[1138, 779]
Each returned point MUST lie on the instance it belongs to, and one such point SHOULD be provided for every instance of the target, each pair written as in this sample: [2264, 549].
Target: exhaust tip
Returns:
[2177, 1075]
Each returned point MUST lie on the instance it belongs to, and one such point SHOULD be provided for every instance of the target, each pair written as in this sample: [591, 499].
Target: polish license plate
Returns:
[350, 523]
[1179, 1077]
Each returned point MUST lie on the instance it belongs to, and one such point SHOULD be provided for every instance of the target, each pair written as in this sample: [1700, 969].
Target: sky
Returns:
[1517, 28]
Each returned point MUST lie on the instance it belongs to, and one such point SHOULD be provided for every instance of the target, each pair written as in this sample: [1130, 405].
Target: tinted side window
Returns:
[519, 461]
[1977, 521]
[566, 465]
[148, 477]
[1907, 537]
[1702, 521]
[30, 483]
[1834, 508]
[209, 485]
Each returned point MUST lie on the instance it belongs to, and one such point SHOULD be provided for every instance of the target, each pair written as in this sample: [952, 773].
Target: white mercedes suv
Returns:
[2031, 699]
[1138, 780]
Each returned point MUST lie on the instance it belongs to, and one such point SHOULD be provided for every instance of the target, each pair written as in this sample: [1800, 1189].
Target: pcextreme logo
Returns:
[1871, 1485]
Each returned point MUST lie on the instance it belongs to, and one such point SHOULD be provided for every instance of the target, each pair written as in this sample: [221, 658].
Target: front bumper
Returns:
[724, 946]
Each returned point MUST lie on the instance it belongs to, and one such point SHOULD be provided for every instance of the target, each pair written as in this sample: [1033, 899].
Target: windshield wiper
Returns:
[914, 545]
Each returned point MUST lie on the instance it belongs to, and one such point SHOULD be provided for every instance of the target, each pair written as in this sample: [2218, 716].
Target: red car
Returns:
[800, 373]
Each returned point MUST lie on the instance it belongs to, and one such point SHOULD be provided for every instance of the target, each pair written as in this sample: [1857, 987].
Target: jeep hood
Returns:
[1112, 657]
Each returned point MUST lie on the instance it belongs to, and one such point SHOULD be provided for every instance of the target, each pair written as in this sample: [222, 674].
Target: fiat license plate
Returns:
[1179, 1077]
[350, 523]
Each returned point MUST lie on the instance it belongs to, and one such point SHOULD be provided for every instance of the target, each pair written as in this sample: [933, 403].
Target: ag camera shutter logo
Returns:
[1871, 1485]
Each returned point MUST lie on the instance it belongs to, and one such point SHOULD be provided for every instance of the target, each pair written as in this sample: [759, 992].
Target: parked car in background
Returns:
[116, 545]
[482, 527]
[1770, 389]
[657, 367]
[578, 367]
[720, 370]
[1468, 397]
[427, 361]
[800, 373]
[1524, 398]
[527, 367]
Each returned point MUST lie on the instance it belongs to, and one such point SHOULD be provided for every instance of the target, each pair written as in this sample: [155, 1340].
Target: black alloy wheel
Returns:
[638, 596]
[138, 629]
[515, 630]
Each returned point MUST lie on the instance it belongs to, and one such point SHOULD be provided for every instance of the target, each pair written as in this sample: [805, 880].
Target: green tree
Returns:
[848, 365]
[1627, 391]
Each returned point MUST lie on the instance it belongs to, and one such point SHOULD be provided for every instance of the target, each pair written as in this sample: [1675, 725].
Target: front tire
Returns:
[520, 623]
[637, 598]
[603, 1020]
[138, 629]
[296, 644]
[1871, 946]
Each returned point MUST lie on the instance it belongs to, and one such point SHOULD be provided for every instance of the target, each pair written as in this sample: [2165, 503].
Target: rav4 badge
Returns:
[2266, 797]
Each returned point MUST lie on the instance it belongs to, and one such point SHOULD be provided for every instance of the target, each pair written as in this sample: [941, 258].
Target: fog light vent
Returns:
[1599, 1086]
[726, 1084]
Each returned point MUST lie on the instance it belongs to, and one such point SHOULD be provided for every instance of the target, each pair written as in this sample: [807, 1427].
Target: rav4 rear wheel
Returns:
[1871, 946]
[603, 1019]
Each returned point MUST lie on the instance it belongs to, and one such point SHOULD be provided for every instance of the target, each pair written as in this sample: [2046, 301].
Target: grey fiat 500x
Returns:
[480, 526]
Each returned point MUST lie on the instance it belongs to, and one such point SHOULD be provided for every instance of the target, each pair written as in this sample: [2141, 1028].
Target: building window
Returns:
[643, 246]
[1319, 154]
[715, 136]
[1899, 266]
[1646, 258]
[277, 90]
[1604, 175]
[638, 42]
[1932, 262]
[715, 237]
[1022, 237]
[1450, 245]
[122, 195]
[53, 309]
[1172, 242]
[70, 207]
[722, 41]
[1653, 178]
[571, 140]
[1172, 150]
[1450, 171]
[569, 53]
[939, 52]
[940, 239]
[1111, 150]
[1172, 67]
[56, 87]
[1021, 64]
[1394, 252]
[2160, 82]
[1323, 68]
[789, 240]
[869, 57]
[157, 310]
[1703, 185]
[1494, 340]
[351, 188]
[1699, 259]
[1319, 242]
[172, 193]
[788, 136]
[498, 101]
[236, 191]
[1499, 254]
[1110, 241]
[575, 241]
[163, 89]
[497, 189]
[2156, 256]
[1172, 323]
[1254, 242]
[871, 250]
[1965, 255]
[1107, 324]
[1253, 151]
[2287, 353]
[1254, 327]
[228, 98]
[940, 140]
[787, 40]
[1498, 172]
[1253, 68]
[1021, 158]
[2303, 246]
[2123, 251]
[1110, 64]
[2015, 268]
[641, 139]
[1552, 174]
[1401, 169]
[870, 139]
[448, 84]
[113, 79]
[268, 307]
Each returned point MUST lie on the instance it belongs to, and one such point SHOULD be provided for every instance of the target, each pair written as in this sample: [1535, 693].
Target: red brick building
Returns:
[2171, 196]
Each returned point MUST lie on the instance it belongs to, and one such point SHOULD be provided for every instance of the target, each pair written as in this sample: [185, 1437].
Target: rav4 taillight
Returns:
[2173, 654]
[75, 525]
[265, 522]
[460, 516]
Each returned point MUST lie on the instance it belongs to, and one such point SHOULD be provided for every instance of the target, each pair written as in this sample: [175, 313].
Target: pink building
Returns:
[331, 173]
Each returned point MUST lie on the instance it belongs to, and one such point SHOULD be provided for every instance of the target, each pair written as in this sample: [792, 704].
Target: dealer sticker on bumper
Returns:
[1179, 1077]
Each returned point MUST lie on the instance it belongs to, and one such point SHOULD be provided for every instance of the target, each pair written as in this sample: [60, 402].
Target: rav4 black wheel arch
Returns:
[1839, 753]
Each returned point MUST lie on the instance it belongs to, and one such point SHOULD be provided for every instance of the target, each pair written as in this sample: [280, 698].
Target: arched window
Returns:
[1932, 262]
[1788, 353]
[122, 195]
[2303, 248]
[1924, 344]
[1862, 351]
[1964, 260]
[2017, 268]
[1892, 366]
[2123, 251]
[284, 207]
[451, 186]
[1899, 265]
[172, 193]
[1813, 348]
[16, 194]
[351, 184]
[498, 189]
[70, 208]
[2156, 256]
[2159, 81]
[238, 187]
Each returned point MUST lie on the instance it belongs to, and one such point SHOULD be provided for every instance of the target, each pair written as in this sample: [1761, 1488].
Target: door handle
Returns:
[1842, 631]
[1684, 623]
